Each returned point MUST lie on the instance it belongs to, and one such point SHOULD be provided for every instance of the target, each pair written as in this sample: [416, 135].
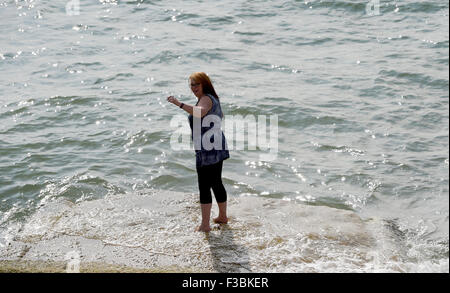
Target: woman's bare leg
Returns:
[222, 218]
[206, 214]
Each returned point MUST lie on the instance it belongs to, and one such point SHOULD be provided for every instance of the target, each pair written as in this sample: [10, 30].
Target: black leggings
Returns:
[210, 176]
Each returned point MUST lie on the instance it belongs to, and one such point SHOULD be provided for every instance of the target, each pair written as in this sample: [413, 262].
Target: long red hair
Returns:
[205, 81]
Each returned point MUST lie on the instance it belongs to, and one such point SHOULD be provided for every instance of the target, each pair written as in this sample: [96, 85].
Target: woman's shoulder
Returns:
[213, 99]
[208, 98]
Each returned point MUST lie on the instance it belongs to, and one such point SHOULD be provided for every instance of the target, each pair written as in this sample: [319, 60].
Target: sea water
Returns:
[360, 90]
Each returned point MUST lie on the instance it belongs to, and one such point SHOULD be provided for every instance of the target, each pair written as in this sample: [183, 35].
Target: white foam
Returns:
[156, 230]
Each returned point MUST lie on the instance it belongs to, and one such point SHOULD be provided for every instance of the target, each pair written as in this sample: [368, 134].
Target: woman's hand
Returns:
[173, 100]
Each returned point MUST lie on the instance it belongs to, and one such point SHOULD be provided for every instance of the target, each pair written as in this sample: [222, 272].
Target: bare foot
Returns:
[203, 228]
[220, 220]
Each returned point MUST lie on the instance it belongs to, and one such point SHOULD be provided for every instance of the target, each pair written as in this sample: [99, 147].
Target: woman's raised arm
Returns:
[204, 105]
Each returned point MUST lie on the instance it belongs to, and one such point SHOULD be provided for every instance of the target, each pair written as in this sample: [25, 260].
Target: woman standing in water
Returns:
[208, 161]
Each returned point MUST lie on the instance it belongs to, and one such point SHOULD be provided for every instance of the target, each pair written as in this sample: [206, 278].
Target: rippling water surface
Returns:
[362, 104]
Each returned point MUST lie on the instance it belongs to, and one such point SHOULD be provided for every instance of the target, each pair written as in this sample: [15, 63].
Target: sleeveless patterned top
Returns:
[209, 144]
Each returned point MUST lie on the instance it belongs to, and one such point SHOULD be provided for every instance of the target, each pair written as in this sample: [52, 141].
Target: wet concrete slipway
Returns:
[155, 233]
